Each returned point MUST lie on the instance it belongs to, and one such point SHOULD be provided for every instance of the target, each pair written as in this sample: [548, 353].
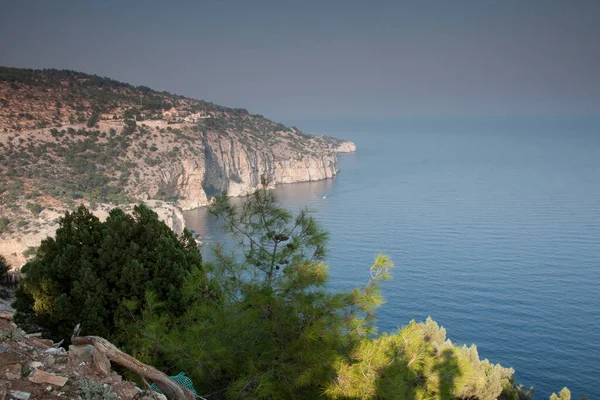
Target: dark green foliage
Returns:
[30, 252]
[93, 120]
[4, 267]
[130, 126]
[96, 273]
[3, 224]
[264, 325]
[35, 208]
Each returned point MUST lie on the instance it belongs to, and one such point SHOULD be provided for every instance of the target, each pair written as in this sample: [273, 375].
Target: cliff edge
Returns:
[68, 138]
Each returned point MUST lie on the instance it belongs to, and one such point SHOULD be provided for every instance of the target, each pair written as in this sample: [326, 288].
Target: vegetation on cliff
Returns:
[258, 323]
[68, 138]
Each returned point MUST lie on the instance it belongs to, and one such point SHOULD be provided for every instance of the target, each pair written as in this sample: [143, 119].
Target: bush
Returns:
[89, 389]
[97, 273]
[417, 363]
[4, 224]
[4, 268]
[35, 208]
[93, 120]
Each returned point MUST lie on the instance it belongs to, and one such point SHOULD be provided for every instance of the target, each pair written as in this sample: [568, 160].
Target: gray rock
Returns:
[20, 395]
[78, 354]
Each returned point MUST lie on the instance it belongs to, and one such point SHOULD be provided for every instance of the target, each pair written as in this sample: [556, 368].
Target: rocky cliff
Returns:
[69, 138]
[224, 163]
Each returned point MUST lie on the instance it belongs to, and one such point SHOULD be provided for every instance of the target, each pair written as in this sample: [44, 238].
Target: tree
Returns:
[4, 224]
[564, 394]
[93, 120]
[4, 268]
[418, 362]
[97, 273]
[264, 325]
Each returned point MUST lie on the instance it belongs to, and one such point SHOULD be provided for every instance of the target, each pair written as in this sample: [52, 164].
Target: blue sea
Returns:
[494, 231]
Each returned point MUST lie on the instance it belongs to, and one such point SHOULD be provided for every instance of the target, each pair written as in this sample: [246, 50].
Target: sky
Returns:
[328, 60]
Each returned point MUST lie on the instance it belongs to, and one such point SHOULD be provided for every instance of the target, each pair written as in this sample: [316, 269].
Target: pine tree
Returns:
[418, 362]
[4, 267]
[264, 324]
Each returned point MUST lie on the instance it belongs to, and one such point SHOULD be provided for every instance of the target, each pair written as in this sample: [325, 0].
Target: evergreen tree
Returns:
[97, 274]
[264, 325]
[419, 363]
[4, 267]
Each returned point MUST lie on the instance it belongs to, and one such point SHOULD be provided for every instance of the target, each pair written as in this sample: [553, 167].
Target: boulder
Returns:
[12, 371]
[20, 395]
[78, 354]
[101, 364]
[35, 365]
[40, 376]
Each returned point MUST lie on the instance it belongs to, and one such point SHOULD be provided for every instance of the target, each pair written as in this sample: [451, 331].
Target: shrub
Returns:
[93, 120]
[35, 208]
[4, 224]
[89, 389]
[4, 267]
[97, 273]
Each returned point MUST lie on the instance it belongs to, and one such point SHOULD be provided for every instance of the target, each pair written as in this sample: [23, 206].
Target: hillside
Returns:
[68, 137]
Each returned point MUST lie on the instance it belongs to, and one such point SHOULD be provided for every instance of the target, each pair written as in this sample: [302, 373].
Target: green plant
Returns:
[4, 267]
[89, 389]
[93, 120]
[35, 208]
[97, 273]
[4, 224]
[11, 333]
[30, 252]
[294, 328]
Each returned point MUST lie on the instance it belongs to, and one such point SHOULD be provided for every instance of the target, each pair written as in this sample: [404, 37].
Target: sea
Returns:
[494, 230]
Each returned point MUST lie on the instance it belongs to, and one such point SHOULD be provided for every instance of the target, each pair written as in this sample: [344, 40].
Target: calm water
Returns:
[495, 235]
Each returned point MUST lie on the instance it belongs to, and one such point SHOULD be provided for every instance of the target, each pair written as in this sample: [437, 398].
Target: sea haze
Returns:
[495, 232]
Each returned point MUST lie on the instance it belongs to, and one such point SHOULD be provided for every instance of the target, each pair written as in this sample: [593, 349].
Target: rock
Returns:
[3, 349]
[20, 395]
[55, 351]
[113, 380]
[78, 354]
[129, 392]
[4, 386]
[13, 371]
[4, 314]
[41, 342]
[101, 364]
[35, 365]
[152, 396]
[40, 376]
[49, 361]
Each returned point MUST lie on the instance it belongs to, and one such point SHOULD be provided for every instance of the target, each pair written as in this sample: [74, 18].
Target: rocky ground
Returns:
[36, 368]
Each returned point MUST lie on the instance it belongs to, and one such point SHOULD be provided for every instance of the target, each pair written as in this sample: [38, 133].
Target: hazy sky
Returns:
[295, 60]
